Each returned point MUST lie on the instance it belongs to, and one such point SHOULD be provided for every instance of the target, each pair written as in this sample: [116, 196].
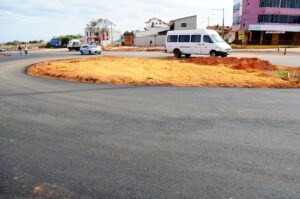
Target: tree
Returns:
[66, 38]
[99, 25]
[128, 33]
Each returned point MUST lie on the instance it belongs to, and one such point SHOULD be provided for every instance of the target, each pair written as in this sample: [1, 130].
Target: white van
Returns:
[196, 42]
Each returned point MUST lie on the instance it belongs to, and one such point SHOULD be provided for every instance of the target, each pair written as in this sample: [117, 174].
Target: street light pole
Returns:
[223, 29]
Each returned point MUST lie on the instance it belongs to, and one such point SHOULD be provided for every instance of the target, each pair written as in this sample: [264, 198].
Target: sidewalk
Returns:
[289, 50]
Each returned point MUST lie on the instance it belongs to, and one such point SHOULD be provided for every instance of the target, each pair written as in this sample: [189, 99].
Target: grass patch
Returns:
[283, 73]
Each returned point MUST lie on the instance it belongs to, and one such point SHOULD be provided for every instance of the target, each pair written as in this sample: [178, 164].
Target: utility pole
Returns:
[223, 21]
[111, 35]
[223, 29]
[208, 22]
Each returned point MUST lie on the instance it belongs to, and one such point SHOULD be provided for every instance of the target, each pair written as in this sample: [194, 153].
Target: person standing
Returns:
[26, 49]
[20, 49]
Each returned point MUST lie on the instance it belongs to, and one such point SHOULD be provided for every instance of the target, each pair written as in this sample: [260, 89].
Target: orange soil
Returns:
[249, 64]
[134, 49]
[210, 72]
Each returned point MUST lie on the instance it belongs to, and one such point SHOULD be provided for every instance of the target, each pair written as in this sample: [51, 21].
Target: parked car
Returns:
[196, 42]
[2, 50]
[74, 44]
[90, 50]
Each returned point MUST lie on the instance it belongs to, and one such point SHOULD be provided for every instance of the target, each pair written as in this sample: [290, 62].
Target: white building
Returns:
[156, 23]
[97, 36]
[156, 30]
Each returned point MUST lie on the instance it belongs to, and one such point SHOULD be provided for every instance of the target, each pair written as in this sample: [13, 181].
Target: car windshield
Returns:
[93, 46]
[216, 38]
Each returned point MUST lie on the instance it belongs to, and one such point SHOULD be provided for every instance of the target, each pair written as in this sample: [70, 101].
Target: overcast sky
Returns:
[42, 19]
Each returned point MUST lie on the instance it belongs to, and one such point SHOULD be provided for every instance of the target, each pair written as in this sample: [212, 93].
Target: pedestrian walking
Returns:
[26, 50]
[20, 49]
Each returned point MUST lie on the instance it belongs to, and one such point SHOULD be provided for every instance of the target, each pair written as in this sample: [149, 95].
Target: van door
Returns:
[184, 44]
[207, 45]
[196, 44]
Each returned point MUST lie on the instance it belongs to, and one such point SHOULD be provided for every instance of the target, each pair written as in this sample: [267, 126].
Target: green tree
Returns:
[66, 38]
[128, 33]
[100, 25]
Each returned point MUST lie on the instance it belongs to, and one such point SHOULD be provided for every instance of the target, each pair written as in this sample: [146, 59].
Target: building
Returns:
[156, 30]
[155, 23]
[186, 23]
[268, 22]
[229, 35]
[97, 36]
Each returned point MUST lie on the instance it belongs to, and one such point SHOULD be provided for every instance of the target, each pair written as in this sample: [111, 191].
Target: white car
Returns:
[196, 42]
[90, 50]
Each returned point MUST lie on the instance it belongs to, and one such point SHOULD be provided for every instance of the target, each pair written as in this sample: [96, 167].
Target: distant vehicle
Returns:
[55, 42]
[90, 50]
[2, 50]
[196, 42]
[74, 44]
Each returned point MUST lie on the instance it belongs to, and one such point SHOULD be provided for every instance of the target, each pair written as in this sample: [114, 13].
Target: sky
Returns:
[26, 20]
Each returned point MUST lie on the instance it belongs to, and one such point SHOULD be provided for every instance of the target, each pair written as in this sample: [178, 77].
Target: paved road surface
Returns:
[103, 141]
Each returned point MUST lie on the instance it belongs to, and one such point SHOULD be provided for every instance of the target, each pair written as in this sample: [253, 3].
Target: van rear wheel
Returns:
[177, 53]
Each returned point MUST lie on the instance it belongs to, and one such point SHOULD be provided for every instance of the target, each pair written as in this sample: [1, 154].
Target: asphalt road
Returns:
[61, 139]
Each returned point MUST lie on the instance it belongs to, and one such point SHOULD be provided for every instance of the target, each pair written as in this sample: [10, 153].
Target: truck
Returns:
[74, 44]
[55, 43]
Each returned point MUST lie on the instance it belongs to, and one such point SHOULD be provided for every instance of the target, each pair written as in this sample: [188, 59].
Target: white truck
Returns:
[196, 42]
[74, 44]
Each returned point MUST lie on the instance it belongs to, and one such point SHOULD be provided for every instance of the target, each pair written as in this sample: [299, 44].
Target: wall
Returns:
[158, 40]
[191, 23]
[151, 32]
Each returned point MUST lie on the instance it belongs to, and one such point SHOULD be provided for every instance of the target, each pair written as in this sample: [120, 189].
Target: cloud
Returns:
[43, 19]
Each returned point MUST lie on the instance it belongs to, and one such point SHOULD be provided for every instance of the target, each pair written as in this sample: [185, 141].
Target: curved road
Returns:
[61, 139]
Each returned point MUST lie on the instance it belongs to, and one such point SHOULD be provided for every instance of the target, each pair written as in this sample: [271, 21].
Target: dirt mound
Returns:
[208, 72]
[248, 64]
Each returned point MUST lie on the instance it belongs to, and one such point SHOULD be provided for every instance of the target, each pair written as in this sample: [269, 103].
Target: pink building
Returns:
[267, 21]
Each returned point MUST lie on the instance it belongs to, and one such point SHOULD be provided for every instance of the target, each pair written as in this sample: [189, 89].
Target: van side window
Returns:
[184, 38]
[207, 39]
[173, 38]
[196, 39]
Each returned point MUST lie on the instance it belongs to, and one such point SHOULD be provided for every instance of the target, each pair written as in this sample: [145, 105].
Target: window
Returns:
[196, 38]
[288, 19]
[207, 39]
[237, 8]
[280, 3]
[172, 38]
[184, 38]
[236, 20]
[183, 25]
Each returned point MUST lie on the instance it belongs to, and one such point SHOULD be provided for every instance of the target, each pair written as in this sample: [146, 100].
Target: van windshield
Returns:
[216, 38]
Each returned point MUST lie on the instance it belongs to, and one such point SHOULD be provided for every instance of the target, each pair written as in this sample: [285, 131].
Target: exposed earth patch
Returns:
[195, 72]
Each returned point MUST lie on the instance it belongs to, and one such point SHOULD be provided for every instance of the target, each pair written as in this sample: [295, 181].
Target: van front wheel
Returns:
[213, 53]
[177, 53]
